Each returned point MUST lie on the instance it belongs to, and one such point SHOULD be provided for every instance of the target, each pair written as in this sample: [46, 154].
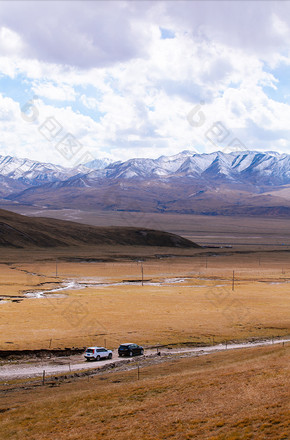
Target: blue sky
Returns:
[121, 78]
[282, 91]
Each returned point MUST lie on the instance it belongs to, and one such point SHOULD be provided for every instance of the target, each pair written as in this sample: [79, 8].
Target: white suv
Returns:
[97, 353]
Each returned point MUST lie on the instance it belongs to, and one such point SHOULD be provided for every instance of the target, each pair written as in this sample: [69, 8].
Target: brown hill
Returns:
[20, 231]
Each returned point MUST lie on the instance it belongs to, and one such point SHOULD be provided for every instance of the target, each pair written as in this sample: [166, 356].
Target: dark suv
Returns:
[130, 350]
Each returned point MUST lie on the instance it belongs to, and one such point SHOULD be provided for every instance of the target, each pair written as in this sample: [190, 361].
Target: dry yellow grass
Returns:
[14, 280]
[196, 310]
[241, 395]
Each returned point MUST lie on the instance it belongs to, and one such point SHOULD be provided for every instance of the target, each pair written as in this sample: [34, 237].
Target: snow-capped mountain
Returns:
[244, 167]
[99, 164]
[238, 182]
[250, 167]
[31, 172]
[269, 168]
[37, 173]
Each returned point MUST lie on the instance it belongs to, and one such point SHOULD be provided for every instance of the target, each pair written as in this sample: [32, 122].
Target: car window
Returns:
[90, 350]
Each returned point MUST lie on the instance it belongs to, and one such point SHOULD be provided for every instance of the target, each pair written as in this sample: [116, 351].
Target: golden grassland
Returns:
[233, 395]
[200, 308]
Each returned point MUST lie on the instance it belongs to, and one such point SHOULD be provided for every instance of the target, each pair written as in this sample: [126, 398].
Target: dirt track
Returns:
[68, 365]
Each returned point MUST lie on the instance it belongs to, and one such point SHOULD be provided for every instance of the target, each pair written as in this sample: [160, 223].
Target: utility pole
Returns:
[233, 282]
[142, 273]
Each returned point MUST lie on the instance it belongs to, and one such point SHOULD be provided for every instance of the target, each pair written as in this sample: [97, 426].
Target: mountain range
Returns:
[236, 183]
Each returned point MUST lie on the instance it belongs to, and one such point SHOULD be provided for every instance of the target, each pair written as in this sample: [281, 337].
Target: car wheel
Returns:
[110, 356]
[98, 358]
[131, 353]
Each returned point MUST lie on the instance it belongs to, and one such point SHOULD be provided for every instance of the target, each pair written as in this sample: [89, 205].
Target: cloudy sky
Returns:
[124, 79]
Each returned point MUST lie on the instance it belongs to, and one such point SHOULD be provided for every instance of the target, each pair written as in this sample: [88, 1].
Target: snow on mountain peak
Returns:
[254, 167]
[98, 164]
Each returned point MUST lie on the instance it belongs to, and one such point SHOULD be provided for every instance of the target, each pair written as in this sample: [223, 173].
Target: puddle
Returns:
[279, 282]
[166, 282]
[98, 282]
[72, 285]
[174, 280]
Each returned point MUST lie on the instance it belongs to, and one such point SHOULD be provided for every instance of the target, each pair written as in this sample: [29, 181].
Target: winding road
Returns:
[67, 365]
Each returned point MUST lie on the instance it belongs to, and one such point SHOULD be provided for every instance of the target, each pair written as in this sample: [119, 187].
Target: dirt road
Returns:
[65, 365]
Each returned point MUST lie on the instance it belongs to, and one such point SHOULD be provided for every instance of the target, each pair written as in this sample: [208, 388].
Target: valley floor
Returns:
[183, 300]
[203, 229]
[76, 297]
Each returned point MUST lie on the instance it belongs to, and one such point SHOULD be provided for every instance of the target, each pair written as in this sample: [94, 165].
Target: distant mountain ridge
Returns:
[266, 168]
[215, 183]
[271, 168]
[37, 173]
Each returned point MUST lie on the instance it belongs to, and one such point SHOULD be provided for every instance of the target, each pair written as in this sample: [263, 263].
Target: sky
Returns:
[120, 79]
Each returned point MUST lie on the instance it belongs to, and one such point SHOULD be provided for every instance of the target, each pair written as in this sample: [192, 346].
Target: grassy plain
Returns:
[187, 297]
[239, 395]
[183, 299]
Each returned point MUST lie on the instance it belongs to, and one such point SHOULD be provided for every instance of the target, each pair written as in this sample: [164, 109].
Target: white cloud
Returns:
[61, 92]
[81, 33]
[94, 34]
[90, 103]
[139, 88]
[10, 41]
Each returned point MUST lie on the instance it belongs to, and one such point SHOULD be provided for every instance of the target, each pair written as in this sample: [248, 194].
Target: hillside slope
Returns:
[22, 232]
